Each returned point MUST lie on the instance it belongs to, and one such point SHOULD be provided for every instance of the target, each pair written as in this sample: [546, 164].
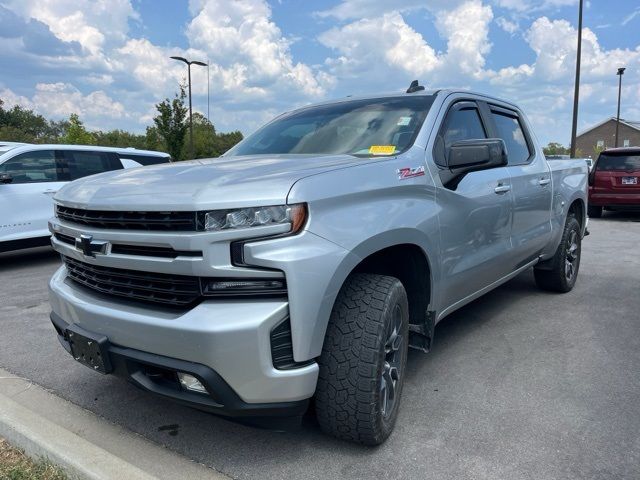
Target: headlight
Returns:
[294, 215]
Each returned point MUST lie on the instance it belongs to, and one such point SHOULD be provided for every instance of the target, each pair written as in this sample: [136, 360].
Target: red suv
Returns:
[614, 181]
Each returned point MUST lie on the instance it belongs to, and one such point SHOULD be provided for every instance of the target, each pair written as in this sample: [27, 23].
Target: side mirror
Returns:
[472, 155]
[5, 178]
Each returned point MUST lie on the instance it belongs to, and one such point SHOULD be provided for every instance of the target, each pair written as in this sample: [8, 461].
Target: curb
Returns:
[39, 437]
[85, 446]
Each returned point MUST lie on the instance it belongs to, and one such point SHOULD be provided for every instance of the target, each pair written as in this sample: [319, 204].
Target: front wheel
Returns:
[362, 365]
[559, 274]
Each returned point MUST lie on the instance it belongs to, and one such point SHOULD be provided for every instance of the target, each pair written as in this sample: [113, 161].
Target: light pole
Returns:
[620, 73]
[576, 92]
[189, 63]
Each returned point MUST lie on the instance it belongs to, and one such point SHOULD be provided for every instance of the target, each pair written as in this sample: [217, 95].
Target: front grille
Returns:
[139, 250]
[156, 221]
[157, 288]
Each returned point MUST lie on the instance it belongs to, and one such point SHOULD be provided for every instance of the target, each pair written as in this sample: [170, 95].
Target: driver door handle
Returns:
[500, 189]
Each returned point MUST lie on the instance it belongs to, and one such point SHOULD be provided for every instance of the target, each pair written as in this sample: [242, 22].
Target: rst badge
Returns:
[408, 172]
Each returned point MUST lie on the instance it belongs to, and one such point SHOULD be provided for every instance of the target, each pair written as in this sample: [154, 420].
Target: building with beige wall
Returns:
[603, 135]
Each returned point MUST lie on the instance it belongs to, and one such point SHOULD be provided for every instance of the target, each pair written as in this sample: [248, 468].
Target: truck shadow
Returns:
[30, 257]
[619, 216]
[470, 318]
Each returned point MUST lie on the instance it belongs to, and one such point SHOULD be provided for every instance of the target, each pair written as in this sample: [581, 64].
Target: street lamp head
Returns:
[196, 62]
[182, 59]
[621, 71]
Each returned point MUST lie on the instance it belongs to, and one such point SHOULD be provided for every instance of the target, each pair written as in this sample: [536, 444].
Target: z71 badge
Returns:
[407, 172]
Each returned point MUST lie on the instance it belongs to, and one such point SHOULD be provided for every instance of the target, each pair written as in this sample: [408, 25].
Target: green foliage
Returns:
[207, 142]
[556, 149]
[120, 138]
[76, 134]
[168, 134]
[171, 125]
[19, 124]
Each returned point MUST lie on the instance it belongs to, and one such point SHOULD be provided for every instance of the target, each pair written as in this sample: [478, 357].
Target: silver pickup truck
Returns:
[304, 262]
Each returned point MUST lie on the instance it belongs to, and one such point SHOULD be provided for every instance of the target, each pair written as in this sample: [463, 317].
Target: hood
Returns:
[225, 182]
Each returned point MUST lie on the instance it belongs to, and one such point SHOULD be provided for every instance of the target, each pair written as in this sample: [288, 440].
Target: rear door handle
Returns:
[50, 192]
[500, 189]
[544, 181]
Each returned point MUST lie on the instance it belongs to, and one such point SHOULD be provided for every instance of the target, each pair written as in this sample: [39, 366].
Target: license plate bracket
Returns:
[629, 180]
[89, 349]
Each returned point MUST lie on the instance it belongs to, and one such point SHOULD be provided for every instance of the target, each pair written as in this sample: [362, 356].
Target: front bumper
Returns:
[626, 200]
[230, 339]
[158, 374]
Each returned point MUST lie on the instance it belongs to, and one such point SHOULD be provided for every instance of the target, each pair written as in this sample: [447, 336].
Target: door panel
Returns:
[475, 215]
[475, 229]
[532, 192]
[26, 204]
[532, 188]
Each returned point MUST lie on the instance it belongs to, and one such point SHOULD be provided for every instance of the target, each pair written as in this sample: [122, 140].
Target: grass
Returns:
[15, 465]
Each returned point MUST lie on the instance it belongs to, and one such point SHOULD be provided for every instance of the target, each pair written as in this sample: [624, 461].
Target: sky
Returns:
[108, 60]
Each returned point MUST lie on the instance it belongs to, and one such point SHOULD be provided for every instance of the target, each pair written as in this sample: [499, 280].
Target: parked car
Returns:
[31, 174]
[589, 162]
[614, 181]
[306, 260]
[6, 146]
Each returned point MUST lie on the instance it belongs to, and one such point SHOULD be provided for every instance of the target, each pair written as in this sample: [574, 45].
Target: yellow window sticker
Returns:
[382, 149]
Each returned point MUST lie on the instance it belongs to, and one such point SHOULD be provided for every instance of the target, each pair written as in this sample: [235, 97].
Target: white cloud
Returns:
[366, 43]
[92, 23]
[466, 29]
[240, 38]
[59, 100]
[507, 25]
[630, 17]
[362, 45]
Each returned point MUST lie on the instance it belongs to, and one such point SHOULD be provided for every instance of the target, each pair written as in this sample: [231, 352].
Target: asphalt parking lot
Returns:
[521, 384]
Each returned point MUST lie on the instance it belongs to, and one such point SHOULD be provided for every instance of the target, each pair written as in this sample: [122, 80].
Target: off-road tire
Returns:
[594, 212]
[349, 396]
[552, 275]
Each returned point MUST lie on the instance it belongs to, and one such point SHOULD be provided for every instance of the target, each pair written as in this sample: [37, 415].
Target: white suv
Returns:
[31, 174]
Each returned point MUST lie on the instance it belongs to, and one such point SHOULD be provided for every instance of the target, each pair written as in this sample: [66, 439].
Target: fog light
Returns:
[191, 383]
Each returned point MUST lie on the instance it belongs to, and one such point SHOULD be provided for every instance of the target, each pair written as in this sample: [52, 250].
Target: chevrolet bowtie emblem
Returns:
[88, 247]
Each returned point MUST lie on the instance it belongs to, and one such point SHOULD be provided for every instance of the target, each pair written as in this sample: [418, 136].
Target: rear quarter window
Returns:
[83, 163]
[145, 159]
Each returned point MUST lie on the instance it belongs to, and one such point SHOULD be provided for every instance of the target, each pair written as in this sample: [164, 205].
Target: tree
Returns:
[171, 125]
[76, 134]
[20, 124]
[153, 140]
[227, 140]
[555, 149]
[120, 138]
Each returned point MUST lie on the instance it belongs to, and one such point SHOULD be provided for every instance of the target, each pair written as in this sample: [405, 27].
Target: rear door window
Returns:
[511, 132]
[619, 163]
[80, 163]
[32, 167]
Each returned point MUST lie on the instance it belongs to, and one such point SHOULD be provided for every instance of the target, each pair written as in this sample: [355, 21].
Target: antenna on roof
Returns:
[414, 87]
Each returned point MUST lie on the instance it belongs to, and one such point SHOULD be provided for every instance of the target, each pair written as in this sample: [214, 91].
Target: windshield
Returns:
[619, 163]
[381, 126]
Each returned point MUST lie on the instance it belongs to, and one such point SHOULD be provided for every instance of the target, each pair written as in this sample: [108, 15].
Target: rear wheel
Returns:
[560, 273]
[594, 212]
[363, 360]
